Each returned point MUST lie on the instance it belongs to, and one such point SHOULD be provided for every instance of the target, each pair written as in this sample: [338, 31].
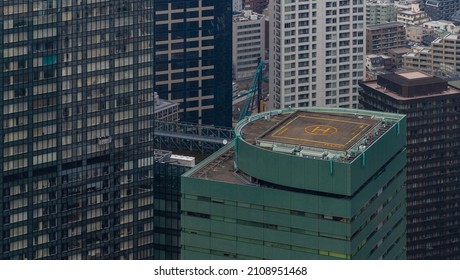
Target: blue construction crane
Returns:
[256, 86]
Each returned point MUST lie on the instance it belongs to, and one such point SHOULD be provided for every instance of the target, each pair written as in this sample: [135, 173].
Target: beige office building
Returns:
[440, 58]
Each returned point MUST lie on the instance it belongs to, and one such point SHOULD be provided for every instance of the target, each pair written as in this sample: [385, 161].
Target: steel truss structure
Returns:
[191, 137]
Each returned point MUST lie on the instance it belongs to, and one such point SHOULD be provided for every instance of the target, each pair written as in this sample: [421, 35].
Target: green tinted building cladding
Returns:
[307, 208]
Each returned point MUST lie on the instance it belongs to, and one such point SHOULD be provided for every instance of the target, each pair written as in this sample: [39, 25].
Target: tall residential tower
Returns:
[316, 52]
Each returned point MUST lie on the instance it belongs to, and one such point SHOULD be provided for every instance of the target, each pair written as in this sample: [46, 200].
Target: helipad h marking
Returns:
[320, 130]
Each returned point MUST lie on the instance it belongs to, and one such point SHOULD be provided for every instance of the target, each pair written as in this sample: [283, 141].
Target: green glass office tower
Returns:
[193, 66]
[310, 183]
[77, 128]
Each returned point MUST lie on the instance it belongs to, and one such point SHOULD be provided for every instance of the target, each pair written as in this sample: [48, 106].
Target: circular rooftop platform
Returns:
[323, 133]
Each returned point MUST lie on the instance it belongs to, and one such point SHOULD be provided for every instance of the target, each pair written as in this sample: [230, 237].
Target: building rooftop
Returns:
[247, 15]
[398, 85]
[406, 12]
[393, 94]
[418, 50]
[379, 3]
[400, 50]
[319, 133]
[439, 22]
[412, 78]
[370, 56]
[161, 104]
[412, 75]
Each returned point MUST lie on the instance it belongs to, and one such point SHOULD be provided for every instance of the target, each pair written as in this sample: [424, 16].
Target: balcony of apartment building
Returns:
[390, 36]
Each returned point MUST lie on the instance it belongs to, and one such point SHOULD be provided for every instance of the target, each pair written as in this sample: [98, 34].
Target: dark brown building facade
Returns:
[380, 38]
[433, 157]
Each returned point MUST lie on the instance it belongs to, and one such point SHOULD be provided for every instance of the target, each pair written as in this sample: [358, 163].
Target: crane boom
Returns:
[255, 86]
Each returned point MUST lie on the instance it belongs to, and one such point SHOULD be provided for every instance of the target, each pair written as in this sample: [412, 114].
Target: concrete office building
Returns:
[378, 64]
[193, 65]
[413, 17]
[165, 110]
[417, 33]
[433, 165]
[77, 132]
[397, 56]
[316, 52]
[310, 183]
[248, 43]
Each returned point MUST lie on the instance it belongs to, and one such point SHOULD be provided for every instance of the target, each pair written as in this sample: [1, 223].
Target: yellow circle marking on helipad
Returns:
[320, 130]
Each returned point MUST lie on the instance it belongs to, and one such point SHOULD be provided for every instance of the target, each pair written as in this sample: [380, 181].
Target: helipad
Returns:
[320, 130]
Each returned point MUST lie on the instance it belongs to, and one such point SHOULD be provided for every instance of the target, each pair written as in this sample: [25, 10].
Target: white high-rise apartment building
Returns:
[317, 52]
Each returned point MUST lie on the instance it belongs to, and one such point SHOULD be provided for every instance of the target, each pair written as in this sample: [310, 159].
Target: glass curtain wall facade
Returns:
[167, 210]
[77, 124]
[193, 48]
